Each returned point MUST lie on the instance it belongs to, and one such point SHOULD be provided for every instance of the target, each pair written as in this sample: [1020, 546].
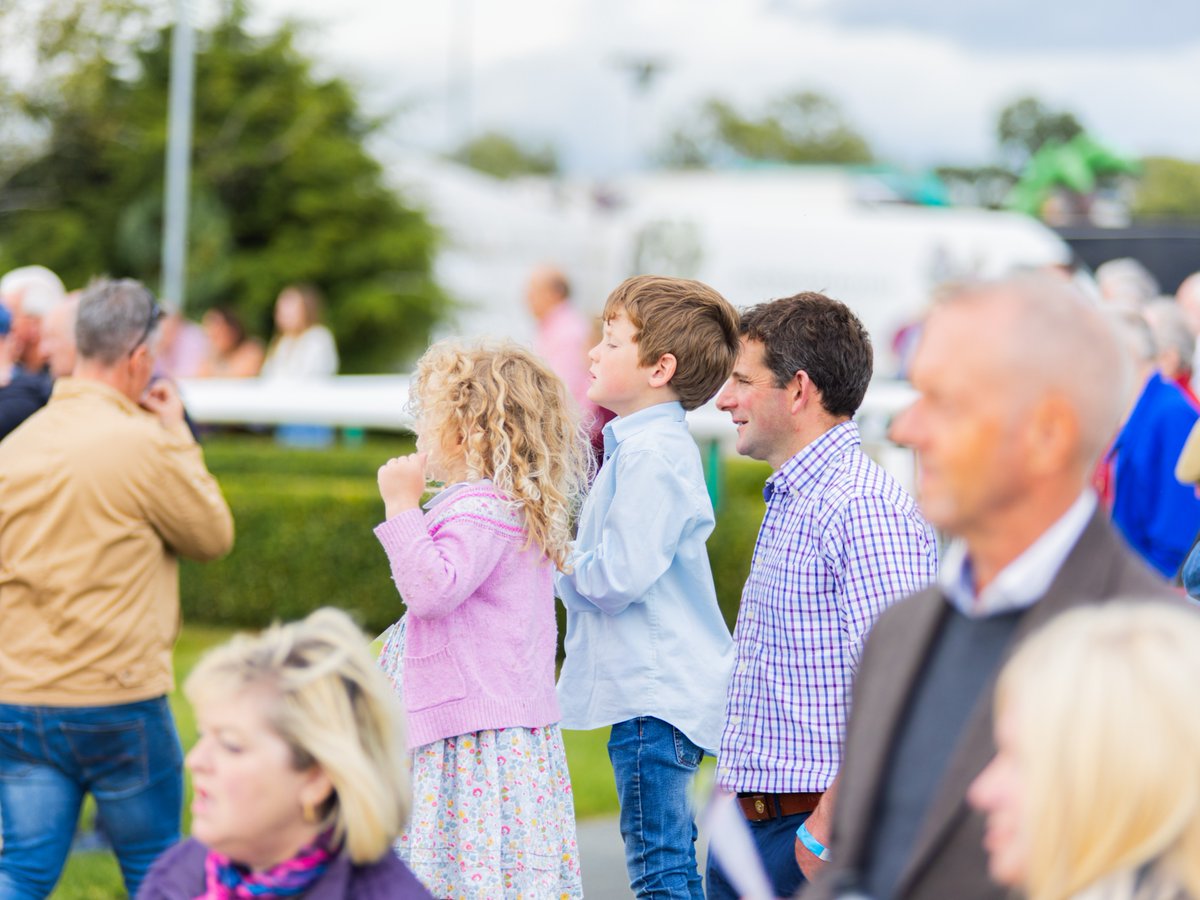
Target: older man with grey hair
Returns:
[104, 489]
[1022, 385]
[1174, 342]
[28, 392]
[30, 292]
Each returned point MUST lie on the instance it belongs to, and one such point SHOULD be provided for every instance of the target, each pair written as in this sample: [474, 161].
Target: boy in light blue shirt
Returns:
[647, 649]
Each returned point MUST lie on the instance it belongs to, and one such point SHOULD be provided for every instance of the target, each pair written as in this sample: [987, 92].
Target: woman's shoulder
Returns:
[388, 878]
[176, 875]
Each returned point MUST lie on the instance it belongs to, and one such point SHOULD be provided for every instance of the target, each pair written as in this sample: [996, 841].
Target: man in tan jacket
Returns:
[101, 492]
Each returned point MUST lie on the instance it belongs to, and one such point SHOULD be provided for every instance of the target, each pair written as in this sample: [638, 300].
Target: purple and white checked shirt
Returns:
[840, 541]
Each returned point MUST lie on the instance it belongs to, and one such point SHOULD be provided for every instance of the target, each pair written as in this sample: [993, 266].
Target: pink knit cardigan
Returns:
[481, 632]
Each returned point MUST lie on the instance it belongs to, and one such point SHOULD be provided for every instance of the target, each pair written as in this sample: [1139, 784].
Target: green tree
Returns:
[283, 188]
[800, 127]
[1026, 124]
[1168, 189]
[503, 157]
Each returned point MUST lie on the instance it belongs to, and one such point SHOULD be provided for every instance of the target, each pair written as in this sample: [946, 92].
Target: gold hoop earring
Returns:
[309, 811]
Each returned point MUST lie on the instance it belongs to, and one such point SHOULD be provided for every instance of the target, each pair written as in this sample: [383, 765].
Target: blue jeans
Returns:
[654, 764]
[776, 843]
[126, 756]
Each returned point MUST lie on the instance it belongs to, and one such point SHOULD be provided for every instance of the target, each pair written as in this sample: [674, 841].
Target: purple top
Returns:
[840, 541]
[179, 875]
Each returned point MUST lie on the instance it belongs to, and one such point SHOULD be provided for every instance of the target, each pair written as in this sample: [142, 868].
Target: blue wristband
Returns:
[815, 847]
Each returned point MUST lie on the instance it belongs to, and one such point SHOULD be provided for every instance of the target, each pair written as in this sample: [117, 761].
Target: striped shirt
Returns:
[840, 541]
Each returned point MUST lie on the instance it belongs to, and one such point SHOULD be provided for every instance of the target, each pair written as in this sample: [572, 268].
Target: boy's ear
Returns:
[663, 370]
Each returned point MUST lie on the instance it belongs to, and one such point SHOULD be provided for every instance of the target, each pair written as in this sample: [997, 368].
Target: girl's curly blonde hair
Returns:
[500, 408]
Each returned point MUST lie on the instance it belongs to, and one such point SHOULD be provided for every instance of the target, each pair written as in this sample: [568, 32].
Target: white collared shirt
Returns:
[1023, 581]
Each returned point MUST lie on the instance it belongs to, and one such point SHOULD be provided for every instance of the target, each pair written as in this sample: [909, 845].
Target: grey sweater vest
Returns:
[962, 659]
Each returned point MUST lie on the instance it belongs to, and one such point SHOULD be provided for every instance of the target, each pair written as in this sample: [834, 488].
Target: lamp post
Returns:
[178, 164]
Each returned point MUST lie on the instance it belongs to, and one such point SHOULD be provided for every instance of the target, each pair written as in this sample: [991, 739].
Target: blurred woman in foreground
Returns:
[298, 774]
[1095, 788]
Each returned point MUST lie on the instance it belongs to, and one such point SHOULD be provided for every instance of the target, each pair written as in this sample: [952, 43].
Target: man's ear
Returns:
[802, 392]
[663, 370]
[1053, 435]
[138, 357]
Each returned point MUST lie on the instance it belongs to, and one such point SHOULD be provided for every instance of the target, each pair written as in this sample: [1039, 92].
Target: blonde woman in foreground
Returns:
[1094, 793]
[299, 777]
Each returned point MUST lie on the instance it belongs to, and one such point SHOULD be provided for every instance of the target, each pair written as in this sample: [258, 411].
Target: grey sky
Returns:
[1023, 25]
[923, 79]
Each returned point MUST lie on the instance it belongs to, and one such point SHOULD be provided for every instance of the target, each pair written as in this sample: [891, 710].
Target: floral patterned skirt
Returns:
[493, 815]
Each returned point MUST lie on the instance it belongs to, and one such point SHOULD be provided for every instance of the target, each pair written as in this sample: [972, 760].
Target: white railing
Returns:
[380, 401]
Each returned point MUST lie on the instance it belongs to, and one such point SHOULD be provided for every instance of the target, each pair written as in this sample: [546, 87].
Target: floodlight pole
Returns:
[179, 152]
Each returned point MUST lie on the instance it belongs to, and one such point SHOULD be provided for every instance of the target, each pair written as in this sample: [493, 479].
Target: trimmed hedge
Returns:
[304, 520]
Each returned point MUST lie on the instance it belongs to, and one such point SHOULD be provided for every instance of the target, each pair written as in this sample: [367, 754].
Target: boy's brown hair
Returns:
[687, 319]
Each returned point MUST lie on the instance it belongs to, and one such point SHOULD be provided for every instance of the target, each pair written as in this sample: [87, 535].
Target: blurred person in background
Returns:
[26, 394]
[1187, 295]
[302, 349]
[1175, 343]
[29, 292]
[104, 489]
[1094, 792]
[302, 346]
[1126, 283]
[183, 346]
[564, 334]
[564, 337]
[231, 352]
[1005, 474]
[1156, 514]
[299, 773]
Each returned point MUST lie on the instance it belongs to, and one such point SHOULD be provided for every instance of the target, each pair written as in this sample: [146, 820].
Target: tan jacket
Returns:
[97, 501]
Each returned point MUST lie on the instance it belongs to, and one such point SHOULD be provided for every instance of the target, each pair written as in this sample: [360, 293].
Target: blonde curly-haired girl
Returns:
[473, 659]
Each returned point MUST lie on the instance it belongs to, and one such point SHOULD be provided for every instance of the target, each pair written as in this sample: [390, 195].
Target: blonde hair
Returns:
[509, 417]
[334, 708]
[1107, 734]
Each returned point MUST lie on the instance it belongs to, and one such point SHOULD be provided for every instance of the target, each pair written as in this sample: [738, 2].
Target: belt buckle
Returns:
[759, 806]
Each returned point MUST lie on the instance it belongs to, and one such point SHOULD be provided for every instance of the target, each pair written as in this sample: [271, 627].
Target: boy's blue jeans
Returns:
[654, 764]
[126, 756]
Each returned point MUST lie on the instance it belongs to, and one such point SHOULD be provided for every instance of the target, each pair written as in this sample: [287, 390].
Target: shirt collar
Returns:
[1023, 581]
[73, 386]
[623, 427]
[812, 460]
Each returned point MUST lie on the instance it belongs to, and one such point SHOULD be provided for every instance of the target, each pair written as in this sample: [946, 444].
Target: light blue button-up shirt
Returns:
[645, 636]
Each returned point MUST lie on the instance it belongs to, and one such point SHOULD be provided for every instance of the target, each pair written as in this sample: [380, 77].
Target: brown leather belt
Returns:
[761, 807]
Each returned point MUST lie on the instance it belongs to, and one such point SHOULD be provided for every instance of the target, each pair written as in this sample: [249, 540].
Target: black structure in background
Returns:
[1169, 250]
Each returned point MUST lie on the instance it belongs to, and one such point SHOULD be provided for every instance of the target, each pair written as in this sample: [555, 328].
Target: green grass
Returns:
[95, 876]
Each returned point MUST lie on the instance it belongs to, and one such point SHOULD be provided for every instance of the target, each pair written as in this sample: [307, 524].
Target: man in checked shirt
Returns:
[840, 541]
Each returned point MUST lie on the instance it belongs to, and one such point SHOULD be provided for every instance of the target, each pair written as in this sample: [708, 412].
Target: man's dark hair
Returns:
[818, 335]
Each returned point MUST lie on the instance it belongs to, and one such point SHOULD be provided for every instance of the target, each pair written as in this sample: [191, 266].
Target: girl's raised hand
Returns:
[401, 483]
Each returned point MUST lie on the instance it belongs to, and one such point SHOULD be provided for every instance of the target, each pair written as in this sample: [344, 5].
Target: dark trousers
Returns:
[776, 843]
